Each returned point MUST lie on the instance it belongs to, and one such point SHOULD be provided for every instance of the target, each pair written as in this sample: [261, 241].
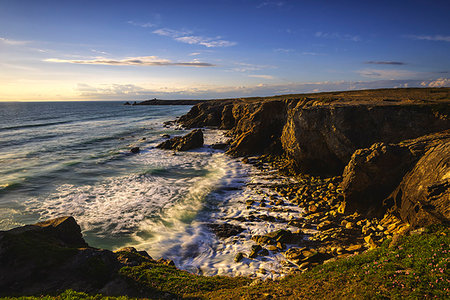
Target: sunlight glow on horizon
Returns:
[139, 50]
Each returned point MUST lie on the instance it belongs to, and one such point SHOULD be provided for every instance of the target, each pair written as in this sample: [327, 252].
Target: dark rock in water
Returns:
[165, 136]
[220, 146]
[416, 169]
[239, 257]
[192, 140]
[225, 230]
[135, 150]
[127, 103]
[254, 251]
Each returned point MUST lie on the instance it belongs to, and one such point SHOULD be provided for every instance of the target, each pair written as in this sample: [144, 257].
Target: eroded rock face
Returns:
[418, 170]
[192, 140]
[423, 196]
[321, 138]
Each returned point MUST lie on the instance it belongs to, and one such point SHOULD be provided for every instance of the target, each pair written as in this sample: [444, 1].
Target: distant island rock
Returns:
[168, 102]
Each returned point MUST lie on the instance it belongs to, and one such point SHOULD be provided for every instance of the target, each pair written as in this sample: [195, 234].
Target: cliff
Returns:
[319, 133]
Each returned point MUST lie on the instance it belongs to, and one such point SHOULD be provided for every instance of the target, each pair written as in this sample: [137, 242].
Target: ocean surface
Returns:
[73, 158]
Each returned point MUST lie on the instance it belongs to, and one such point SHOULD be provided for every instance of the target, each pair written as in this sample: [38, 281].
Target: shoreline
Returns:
[371, 204]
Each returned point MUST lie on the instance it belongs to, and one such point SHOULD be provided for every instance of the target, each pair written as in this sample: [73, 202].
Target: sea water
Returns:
[73, 158]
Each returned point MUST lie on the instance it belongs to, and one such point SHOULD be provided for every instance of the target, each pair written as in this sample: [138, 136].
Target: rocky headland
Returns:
[369, 170]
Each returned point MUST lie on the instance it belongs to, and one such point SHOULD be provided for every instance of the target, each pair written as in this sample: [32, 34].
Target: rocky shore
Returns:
[347, 172]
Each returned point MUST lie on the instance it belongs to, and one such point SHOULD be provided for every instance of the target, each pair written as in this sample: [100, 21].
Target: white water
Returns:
[165, 210]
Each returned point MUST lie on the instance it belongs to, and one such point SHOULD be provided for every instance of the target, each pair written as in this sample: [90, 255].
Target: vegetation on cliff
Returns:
[412, 266]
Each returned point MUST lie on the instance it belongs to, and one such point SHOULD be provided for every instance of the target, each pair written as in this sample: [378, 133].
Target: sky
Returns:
[136, 50]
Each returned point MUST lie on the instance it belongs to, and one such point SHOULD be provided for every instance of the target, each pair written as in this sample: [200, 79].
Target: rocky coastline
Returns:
[365, 168]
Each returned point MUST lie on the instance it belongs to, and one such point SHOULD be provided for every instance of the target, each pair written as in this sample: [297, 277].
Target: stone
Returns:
[192, 140]
[394, 176]
[135, 150]
[353, 248]
[254, 251]
[239, 257]
[225, 230]
[165, 136]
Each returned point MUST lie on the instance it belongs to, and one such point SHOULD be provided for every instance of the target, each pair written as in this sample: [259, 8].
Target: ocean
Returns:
[73, 158]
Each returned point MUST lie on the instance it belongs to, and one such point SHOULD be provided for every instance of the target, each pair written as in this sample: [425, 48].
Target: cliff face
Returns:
[321, 135]
[410, 178]
[322, 138]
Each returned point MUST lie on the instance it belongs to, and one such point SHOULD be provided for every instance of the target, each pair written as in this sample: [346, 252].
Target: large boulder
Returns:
[416, 169]
[52, 256]
[192, 140]
[423, 196]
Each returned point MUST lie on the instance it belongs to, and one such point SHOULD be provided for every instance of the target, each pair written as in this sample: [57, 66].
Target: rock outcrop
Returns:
[192, 140]
[52, 256]
[318, 136]
[418, 170]
[321, 133]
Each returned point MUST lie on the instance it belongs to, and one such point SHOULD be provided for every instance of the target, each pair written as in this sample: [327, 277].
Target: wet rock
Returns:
[192, 140]
[135, 150]
[165, 136]
[220, 146]
[254, 251]
[225, 230]
[239, 257]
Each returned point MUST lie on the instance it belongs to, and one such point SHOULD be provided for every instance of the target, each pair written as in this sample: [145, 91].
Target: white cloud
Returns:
[13, 42]
[440, 82]
[440, 38]
[339, 36]
[131, 61]
[262, 76]
[188, 38]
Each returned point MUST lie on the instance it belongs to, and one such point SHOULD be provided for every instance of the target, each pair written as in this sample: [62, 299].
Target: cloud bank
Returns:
[132, 61]
[134, 92]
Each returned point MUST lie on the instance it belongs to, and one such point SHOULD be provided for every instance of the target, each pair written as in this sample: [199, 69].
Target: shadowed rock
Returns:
[418, 170]
[192, 140]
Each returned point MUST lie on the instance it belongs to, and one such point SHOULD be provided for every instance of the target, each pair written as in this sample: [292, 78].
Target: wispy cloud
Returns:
[13, 42]
[262, 76]
[398, 63]
[283, 50]
[189, 38]
[143, 25]
[271, 3]
[131, 61]
[439, 38]
[246, 67]
[338, 36]
[388, 74]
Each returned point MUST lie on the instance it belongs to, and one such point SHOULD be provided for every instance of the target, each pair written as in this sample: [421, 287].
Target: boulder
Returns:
[192, 140]
[409, 177]
[225, 230]
[135, 150]
[423, 196]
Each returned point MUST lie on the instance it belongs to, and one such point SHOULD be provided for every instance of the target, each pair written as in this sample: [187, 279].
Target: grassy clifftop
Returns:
[413, 266]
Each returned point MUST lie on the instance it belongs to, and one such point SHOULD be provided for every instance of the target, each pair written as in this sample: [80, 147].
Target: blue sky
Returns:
[135, 50]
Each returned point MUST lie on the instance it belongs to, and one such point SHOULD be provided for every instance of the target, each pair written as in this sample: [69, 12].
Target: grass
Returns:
[412, 267]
